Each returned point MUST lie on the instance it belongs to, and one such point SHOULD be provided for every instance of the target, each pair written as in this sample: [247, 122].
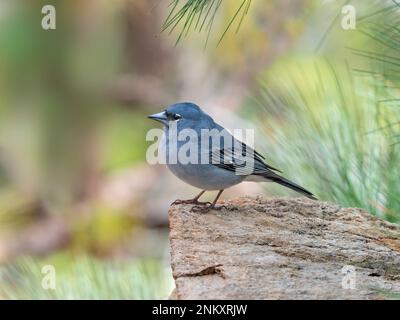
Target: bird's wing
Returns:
[235, 156]
[230, 159]
[257, 157]
[239, 159]
[243, 160]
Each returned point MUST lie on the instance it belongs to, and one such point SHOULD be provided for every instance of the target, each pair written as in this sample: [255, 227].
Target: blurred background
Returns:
[75, 189]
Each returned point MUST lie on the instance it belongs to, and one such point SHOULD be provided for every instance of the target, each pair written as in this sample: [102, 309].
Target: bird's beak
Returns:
[161, 117]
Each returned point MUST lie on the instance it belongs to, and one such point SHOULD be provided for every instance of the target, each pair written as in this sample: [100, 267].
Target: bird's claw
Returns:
[201, 209]
[179, 201]
[204, 203]
[190, 201]
[205, 209]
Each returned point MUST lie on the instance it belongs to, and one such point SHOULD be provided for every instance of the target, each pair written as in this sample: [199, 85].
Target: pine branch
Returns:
[199, 15]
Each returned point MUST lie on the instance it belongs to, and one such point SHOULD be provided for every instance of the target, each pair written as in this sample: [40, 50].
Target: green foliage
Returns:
[383, 63]
[326, 129]
[333, 123]
[380, 26]
[124, 139]
[86, 278]
[102, 231]
[200, 15]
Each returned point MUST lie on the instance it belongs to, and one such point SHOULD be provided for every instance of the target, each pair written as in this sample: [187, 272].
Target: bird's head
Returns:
[186, 114]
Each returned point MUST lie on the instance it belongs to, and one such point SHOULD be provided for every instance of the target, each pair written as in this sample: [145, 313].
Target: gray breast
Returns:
[203, 176]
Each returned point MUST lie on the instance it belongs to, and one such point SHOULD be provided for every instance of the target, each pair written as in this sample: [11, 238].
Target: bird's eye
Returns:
[177, 116]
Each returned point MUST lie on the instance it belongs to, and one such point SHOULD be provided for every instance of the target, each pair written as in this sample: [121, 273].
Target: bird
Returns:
[226, 156]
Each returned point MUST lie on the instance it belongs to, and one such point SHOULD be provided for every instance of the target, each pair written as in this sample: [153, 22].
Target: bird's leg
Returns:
[195, 200]
[210, 207]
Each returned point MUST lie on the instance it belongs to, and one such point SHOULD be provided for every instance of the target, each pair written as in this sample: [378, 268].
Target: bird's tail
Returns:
[291, 185]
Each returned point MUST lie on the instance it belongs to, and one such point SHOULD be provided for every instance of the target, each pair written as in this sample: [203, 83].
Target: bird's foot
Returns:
[191, 201]
[205, 209]
[201, 209]
[220, 207]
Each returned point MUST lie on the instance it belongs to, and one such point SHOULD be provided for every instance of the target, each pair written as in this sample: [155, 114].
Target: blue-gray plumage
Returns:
[227, 159]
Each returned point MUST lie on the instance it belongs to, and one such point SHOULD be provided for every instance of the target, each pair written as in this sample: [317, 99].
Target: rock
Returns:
[279, 248]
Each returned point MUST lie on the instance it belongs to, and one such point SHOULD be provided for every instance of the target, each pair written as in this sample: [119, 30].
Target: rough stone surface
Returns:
[278, 248]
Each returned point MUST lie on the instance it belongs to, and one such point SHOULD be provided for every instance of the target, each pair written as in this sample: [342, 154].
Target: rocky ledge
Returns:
[279, 248]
